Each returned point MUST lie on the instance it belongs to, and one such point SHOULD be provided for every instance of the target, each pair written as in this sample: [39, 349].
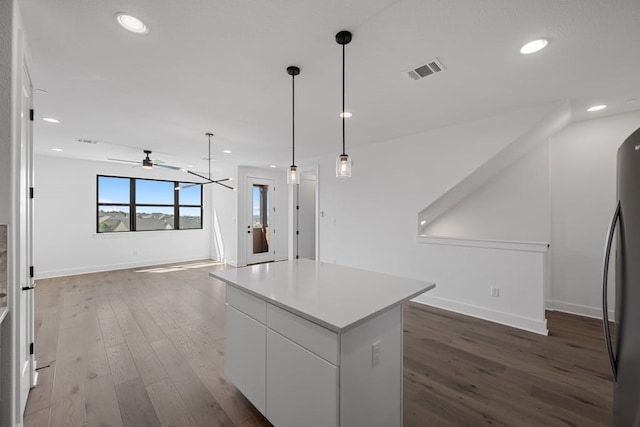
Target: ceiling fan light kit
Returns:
[146, 162]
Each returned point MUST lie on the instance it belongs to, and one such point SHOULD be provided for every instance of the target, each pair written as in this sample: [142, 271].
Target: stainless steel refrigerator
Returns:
[624, 348]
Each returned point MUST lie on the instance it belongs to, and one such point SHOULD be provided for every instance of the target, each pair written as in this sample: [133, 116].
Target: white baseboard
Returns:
[118, 266]
[582, 310]
[525, 323]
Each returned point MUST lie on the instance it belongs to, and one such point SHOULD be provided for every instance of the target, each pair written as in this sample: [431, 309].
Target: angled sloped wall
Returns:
[513, 205]
[521, 145]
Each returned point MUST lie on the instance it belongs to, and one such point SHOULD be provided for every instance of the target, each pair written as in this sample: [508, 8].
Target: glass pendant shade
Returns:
[292, 175]
[343, 166]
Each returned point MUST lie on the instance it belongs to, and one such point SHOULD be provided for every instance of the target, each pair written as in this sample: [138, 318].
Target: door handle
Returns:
[605, 285]
[28, 288]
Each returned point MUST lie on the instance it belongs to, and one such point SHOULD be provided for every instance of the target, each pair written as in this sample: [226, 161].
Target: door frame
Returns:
[268, 256]
[293, 217]
[19, 367]
[22, 247]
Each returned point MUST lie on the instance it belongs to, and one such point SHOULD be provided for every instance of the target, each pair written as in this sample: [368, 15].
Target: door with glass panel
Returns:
[260, 220]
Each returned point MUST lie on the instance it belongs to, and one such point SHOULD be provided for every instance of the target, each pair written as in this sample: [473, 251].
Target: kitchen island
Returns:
[316, 344]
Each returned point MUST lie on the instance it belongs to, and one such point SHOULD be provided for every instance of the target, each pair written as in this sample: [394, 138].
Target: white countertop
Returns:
[332, 296]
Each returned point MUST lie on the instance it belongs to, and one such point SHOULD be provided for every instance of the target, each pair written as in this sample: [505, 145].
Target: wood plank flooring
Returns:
[145, 347]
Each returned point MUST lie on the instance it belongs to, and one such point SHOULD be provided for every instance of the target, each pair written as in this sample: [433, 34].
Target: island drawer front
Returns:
[248, 304]
[318, 340]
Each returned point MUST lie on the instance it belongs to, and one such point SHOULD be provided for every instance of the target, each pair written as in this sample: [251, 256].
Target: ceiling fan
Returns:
[147, 163]
[209, 180]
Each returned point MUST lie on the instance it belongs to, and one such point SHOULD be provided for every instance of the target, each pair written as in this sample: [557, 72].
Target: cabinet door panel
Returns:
[244, 358]
[302, 388]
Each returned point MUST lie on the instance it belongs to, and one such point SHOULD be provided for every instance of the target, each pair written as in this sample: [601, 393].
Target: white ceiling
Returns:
[220, 66]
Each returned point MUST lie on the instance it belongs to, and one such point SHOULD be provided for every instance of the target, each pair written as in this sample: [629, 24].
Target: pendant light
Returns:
[292, 176]
[343, 162]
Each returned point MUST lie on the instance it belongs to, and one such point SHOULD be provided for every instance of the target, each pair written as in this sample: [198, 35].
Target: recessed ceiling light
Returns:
[227, 151]
[56, 149]
[596, 108]
[189, 166]
[50, 120]
[346, 115]
[534, 46]
[131, 23]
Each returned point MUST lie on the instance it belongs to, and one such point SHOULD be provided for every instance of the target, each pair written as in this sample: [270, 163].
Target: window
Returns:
[136, 204]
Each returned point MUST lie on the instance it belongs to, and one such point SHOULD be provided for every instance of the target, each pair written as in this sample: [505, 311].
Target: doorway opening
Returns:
[260, 247]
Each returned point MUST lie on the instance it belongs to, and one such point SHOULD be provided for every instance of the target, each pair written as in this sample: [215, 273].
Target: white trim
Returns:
[525, 323]
[3, 313]
[110, 267]
[510, 245]
[581, 310]
[129, 234]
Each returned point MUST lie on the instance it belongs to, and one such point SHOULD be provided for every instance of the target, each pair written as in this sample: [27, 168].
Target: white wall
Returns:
[583, 195]
[514, 205]
[5, 109]
[370, 220]
[280, 198]
[224, 216]
[65, 235]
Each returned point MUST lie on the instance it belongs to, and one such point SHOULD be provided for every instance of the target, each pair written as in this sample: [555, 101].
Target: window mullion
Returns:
[132, 203]
[176, 206]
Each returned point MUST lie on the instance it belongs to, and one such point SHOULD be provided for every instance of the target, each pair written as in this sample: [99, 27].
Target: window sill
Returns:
[525, 246]
[141, 232]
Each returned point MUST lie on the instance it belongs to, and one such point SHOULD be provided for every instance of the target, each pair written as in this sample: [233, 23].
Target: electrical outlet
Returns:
[375, 353]
[495, 292]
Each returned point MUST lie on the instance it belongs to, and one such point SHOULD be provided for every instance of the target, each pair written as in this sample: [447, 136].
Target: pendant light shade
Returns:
[343, 162]
[292, 174]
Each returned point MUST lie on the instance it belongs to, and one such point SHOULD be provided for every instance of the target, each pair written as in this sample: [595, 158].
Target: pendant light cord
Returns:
[343, 118]
[293, 119]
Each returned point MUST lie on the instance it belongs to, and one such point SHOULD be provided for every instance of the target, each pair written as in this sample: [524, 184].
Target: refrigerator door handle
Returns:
[605, 277]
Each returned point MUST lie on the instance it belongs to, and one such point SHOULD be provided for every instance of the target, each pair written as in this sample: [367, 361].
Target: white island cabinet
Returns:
[315, 344]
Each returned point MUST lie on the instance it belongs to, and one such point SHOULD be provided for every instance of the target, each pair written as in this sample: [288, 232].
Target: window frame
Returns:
[132, 205]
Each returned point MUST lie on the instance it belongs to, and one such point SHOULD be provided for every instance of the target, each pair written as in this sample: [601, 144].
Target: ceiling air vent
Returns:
[431, 67]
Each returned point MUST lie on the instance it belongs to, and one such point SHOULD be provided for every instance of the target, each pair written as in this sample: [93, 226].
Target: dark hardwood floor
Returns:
[145, 347]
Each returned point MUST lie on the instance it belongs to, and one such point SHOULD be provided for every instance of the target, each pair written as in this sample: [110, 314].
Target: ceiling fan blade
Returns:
[176, 168]
[221, 180]
[123, 161]
[198, 175]
[188, 186]
[224, 185]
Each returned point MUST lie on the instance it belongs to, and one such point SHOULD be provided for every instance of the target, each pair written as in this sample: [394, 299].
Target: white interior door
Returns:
[24, 246]
[306, 218]
[260, 220]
